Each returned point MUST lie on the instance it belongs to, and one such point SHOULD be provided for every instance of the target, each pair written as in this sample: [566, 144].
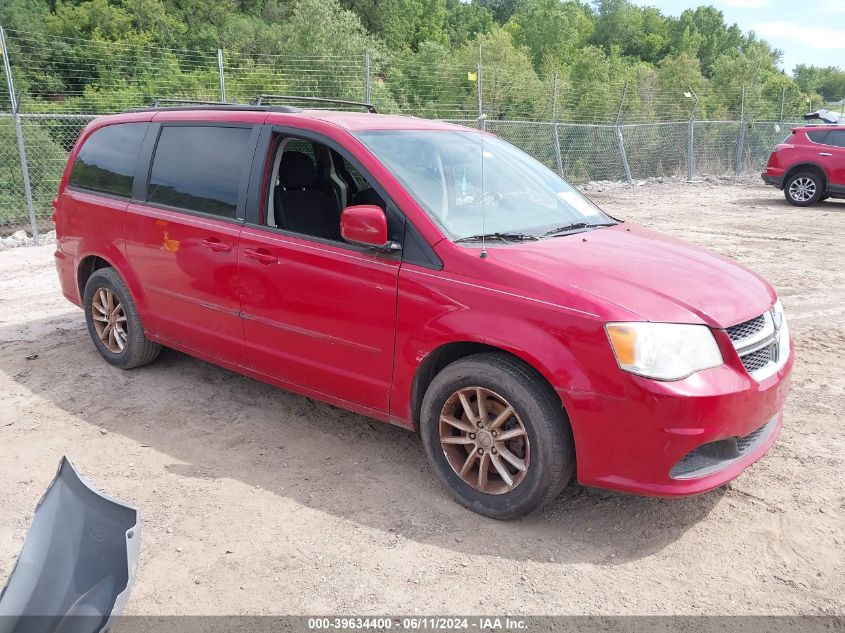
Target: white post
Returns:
[222, 76]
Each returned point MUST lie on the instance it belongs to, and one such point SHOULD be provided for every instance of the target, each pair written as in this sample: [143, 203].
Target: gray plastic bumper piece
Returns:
[77, 563]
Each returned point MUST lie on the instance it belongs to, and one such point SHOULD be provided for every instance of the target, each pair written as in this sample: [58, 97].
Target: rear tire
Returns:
[803, 189]
[536, 461]
[113, 322]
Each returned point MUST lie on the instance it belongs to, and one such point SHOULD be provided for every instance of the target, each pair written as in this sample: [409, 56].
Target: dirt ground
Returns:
[257, 501]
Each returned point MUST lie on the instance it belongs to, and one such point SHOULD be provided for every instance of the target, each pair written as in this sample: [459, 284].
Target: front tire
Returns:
[803, 189]
[496, 435]
[113, 321]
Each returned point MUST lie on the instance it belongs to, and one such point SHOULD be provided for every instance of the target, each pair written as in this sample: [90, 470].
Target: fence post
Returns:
[620, 140]
[368, 95]
[691, 136]
[7, 66]
[782, 102]
[478, 85]
[555, 137]
[222, 76]
[740, 143]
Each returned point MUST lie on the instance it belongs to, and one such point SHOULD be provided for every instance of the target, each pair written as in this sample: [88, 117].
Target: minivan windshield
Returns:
[521, 198]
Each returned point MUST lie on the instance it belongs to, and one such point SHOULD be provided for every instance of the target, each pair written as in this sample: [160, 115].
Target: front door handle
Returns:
[217, 245]
[261, 255]
[825, 154]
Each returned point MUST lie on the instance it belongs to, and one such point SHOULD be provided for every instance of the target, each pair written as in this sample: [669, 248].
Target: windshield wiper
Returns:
[575, 226]
[501, 237]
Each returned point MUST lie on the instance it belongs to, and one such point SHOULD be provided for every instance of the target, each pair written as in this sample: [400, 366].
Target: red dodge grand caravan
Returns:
[430, 276]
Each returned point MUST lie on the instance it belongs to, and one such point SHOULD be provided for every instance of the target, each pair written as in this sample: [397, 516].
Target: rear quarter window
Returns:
[106, 162]
[817, 136]
[198, 168]
[835, 138]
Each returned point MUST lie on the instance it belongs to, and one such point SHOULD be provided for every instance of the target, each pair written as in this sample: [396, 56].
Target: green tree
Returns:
[510, 86]
[703, 31]
[828, 82]
[403, 24]
[551, 28]
[677, 75]
[748, 70]
[618, 22]
[502, 10]
[465, 20]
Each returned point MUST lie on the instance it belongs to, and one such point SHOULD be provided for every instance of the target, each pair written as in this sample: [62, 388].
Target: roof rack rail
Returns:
[158, 102]
[259, 100]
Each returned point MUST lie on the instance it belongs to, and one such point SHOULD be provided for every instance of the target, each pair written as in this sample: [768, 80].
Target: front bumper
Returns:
[632, 444]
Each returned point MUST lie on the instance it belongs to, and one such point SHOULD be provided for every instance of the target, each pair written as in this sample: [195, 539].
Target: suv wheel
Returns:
[803, 189]
[113, 322]
[496, 436]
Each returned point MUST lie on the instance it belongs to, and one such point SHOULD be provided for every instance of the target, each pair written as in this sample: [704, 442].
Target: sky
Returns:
[808, 32]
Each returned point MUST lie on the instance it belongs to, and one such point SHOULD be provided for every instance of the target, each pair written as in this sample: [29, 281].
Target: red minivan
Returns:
[431, 276]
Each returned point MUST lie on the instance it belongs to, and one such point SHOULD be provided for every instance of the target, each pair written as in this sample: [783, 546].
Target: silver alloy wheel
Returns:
[109, 319]
[802, 189]
[484, 440]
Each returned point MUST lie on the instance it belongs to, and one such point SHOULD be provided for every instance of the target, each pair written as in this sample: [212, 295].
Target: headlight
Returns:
[665, 351]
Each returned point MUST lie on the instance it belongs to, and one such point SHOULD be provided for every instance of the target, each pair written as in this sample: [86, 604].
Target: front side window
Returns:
[198, 168]
[106, 162]
[515, 194]
[312, 184]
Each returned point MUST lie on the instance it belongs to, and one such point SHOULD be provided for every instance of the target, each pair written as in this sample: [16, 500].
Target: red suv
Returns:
[810, 165]
[430, 276]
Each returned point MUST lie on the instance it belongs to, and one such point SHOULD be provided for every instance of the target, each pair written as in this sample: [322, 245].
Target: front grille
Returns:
[714, 456]
[760, 358]
[747, 328]
[757, 342]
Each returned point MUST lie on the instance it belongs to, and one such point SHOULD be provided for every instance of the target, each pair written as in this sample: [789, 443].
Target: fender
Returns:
[114, 255]
[546, 337]
[805, 163]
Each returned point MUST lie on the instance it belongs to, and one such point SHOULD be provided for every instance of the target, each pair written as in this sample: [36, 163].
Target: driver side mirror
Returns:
[366, 225]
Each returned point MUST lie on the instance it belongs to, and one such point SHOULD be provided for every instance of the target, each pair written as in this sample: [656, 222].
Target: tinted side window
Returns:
[199, 168]
[106, 162]
[817, 136]
[836, 138]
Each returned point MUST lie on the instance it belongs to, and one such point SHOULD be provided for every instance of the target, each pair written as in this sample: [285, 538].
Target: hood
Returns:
[655, 276]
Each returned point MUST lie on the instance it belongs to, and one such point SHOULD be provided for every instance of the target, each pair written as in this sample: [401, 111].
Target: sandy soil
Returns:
[259, 501]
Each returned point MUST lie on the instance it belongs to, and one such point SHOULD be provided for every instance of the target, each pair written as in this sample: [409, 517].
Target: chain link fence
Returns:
[585, 131]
